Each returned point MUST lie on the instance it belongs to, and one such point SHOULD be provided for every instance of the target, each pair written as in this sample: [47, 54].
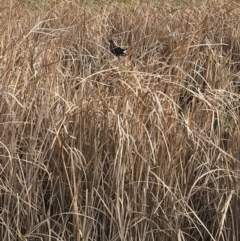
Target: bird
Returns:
[116, 50]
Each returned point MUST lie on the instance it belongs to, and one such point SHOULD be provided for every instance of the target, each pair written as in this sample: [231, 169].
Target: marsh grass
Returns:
[142, 148]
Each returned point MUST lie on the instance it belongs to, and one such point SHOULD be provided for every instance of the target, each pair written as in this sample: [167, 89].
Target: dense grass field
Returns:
[141, 148]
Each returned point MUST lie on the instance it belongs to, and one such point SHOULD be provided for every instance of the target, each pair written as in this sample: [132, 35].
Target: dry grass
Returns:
[145, 148]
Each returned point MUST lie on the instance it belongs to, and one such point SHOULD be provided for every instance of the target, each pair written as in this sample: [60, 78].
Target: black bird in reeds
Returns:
[116, 50]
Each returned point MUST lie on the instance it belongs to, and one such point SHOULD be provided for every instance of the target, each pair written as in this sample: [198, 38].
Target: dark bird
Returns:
[116, 50]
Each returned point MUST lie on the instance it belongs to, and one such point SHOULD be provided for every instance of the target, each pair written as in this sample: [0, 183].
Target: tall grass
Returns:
[146, 147]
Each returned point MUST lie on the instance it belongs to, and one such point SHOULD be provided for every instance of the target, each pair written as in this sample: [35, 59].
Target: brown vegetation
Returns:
[142, 148]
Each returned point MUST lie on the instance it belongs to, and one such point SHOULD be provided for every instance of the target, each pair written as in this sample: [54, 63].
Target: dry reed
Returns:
[144, 148]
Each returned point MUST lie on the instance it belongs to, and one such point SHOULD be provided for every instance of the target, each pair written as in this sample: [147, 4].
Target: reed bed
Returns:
[145, 147]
